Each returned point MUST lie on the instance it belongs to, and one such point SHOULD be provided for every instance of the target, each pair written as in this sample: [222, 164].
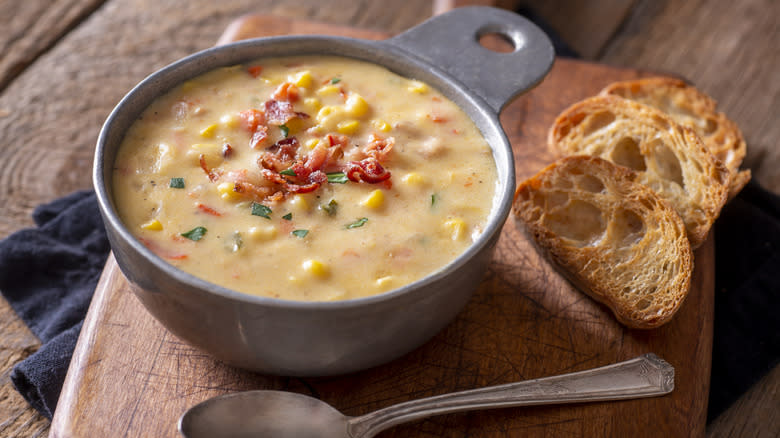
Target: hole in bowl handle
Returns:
[450, 41]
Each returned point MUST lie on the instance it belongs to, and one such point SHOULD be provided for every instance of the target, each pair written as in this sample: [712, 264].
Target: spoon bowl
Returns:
[286, 414]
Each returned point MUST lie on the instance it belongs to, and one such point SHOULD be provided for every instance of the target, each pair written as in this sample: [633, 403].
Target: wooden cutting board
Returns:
[130, 377]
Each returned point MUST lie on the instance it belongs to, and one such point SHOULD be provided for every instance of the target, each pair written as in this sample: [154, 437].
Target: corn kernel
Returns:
[374, 200]
[227, 191]
[311, 143]
[385, 282]
[348, 127]
[413, 179]
[299, 203]
[381, 125]
[456, 228]
[417, 87]
[328, 90]
[326, 111]
[229, 121]
[208, 131]
[152, 225]
[316, 268]
[356, 106]
[312, 103]
[262, 233]
[294, 126]
[303, 79]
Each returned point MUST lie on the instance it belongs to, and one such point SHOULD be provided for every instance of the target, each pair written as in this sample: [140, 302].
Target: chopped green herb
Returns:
[331, 207]
[434, 198]
[337, 178]
[285, 130]
[177, 183]
[288, 172]
[335, 80]
[235, 242]
[357, 223]
[195, 234]
[287, 217]
[261, 210]
[300, 233]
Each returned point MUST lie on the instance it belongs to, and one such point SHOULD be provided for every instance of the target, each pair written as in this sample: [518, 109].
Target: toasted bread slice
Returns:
[688, 106]
[669, 158]
[611, 236]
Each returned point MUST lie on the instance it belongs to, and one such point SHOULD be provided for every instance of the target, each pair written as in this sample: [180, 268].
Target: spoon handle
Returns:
[644, 376]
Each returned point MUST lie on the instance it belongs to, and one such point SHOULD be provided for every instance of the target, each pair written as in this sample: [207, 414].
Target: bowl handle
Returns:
[450, 41]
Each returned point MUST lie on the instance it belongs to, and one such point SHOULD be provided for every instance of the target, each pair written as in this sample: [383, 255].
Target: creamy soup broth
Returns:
[305, 178]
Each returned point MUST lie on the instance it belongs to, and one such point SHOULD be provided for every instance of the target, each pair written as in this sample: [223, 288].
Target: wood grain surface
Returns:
[78, 58]
[131, 377]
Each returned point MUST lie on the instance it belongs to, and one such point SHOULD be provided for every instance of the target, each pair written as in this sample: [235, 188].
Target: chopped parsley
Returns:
[195, 234]
[285, 130]
[357, 223]
[300, 233]
[337, 178]
[331, 207]
[335, 80]
[288, 172]
[434, 198]
[177, 183]
[287, 217]
[261, 210]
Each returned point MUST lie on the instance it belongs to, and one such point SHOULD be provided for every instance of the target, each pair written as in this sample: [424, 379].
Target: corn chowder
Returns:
[305, 178]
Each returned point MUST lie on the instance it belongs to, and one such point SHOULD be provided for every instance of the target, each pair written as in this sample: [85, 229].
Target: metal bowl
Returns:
[326, 338]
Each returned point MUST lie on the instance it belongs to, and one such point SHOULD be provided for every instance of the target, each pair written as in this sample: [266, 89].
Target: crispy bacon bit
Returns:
[260, 134]
[252, 118]
[280, 155]
[379, 147]
[287, 91]
[255, 70]
[208, 210]
[334, 140]
[367, 170]
[227, 150]
[278, 112]
[213, 175]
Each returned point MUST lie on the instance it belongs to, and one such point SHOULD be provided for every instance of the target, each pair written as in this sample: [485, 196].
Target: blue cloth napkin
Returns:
[48, 275]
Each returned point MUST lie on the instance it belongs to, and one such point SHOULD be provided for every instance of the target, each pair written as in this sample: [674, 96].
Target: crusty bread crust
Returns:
[668, 157]
[611, 236]
[688, 106]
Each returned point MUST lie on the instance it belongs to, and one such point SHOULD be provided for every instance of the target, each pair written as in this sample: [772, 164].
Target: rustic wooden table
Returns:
[65, 64]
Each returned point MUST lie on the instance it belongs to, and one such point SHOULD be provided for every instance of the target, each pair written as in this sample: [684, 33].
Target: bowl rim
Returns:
[395, 59]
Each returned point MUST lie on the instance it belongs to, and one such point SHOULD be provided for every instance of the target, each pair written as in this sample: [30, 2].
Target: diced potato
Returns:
[263, 232]
[356, 106]
[375, 199]
[417, 87]
[315, 268]
[153, 225]
[211, 151]
[208, 131]
[328, 90]
[456, 228]
[414, 179]
[348, 127]
[381, 125]
[303, 79]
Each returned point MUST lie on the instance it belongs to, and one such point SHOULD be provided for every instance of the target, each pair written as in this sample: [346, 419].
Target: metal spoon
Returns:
[286, 414]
